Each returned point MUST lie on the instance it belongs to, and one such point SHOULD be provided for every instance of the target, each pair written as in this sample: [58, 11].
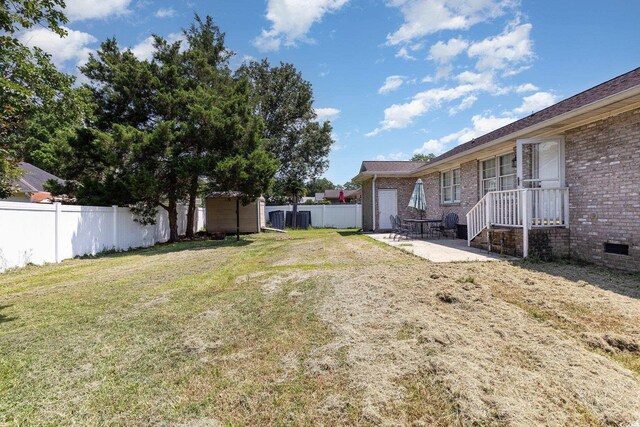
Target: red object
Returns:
[341, 196]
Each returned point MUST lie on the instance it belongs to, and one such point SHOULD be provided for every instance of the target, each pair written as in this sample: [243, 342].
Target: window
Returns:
[498, 173]
[450, 186]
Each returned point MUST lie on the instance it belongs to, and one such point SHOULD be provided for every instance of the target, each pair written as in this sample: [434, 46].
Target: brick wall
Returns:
[603, 175]
[469, 191]
[469, 195]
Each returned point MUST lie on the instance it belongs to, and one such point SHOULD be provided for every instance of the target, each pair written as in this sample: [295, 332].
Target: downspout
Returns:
[373, 197]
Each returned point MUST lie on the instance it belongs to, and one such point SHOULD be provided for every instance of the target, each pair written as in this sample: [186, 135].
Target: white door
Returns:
[388, 205]
[541, 168]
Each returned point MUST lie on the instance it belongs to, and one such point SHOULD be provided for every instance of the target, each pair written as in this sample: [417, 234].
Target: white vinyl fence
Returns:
[38, 234]
[327, 216]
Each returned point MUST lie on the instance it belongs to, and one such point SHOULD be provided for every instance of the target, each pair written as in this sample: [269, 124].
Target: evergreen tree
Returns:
[28, 79]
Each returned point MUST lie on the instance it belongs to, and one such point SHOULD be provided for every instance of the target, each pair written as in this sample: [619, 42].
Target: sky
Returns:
[394, 77]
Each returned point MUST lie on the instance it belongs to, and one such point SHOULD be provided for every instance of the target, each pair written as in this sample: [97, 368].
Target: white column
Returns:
[489, 210]
[525, 223]
[373, 201]
[566, 207]
[56, 238]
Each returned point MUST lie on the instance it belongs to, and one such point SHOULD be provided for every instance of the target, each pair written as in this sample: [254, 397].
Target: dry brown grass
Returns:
[316, 328]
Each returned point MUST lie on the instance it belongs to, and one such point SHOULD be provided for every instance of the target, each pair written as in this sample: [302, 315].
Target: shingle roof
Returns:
[34, 178]
[391, 166]
[582, 99]
[596, 93]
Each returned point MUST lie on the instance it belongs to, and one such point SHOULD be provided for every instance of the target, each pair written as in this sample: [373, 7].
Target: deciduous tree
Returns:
[284, 100]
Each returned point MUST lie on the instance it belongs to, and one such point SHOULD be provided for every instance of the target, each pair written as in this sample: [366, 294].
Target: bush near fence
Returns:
[36, 233]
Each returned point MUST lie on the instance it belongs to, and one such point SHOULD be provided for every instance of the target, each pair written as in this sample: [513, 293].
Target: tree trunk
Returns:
[191, 210]
[172, 211]
[294, 213]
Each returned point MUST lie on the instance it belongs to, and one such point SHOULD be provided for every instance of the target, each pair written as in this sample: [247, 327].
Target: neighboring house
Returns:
[333, 196]
[221, 213]
[564, 180]
[30, 186]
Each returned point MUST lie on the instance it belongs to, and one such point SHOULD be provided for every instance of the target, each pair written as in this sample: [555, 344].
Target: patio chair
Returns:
[405, 229]
[435, 227]
[449, 225]
[395, 227]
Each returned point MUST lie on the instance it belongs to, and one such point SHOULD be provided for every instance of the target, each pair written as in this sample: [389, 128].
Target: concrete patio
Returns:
[440, 250]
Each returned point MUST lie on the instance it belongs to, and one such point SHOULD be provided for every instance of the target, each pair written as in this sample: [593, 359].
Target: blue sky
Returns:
[395, 77]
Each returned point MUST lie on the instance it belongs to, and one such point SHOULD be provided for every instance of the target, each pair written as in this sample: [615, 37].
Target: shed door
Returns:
[388, 201]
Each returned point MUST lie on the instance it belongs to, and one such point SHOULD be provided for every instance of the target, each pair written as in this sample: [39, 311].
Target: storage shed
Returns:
[221, 213]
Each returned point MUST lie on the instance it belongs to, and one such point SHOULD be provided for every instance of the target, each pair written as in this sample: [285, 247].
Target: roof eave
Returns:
[628, 93]
[363, 176]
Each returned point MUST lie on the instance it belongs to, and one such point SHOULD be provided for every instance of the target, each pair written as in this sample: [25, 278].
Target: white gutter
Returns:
[373, 198]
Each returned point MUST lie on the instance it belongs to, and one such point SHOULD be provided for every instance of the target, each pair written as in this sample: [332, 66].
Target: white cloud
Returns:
[165, 12]
[291, 20]
[480, 125]
[512, 46]
[443, 53]
[399, 116]
[73, 47]
[78, 10]
[404, 54]
[327, 114]
[483, 125]
[464, 105]
[535, 102]
[434, 146]
[424, 17]
[392, 156]
[145, 49]
[527, 87]
[391, 83]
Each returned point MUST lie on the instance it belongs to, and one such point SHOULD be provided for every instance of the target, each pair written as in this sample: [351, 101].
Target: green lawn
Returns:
[318, 327]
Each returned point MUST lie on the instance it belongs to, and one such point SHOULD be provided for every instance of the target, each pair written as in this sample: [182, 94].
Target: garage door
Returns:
[388, 202]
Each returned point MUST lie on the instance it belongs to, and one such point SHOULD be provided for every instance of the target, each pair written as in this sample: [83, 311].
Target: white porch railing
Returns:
[533, 207]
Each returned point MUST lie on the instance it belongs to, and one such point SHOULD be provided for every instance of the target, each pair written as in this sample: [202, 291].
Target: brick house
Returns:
[563, 181]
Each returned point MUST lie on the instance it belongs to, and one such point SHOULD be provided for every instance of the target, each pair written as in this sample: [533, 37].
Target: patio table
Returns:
[422, 222]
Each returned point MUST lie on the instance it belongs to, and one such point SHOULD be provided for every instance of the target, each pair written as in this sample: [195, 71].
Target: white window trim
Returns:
[498, 176]
[452, 186]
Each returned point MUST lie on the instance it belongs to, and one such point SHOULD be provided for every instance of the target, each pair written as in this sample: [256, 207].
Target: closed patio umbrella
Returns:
[418, 200]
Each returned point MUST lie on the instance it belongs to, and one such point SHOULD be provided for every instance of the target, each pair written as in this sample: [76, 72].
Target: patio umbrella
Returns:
[341, 196]
[418, 200]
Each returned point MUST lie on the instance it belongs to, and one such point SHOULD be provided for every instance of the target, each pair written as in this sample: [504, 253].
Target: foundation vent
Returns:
[616, 248]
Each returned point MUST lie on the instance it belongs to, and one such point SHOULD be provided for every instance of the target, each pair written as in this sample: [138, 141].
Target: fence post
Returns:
[115, 226]
[56, 237]
[323, 212]
[356, 213]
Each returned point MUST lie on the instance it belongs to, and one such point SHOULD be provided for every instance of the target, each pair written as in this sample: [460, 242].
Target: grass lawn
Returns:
[316, 328]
